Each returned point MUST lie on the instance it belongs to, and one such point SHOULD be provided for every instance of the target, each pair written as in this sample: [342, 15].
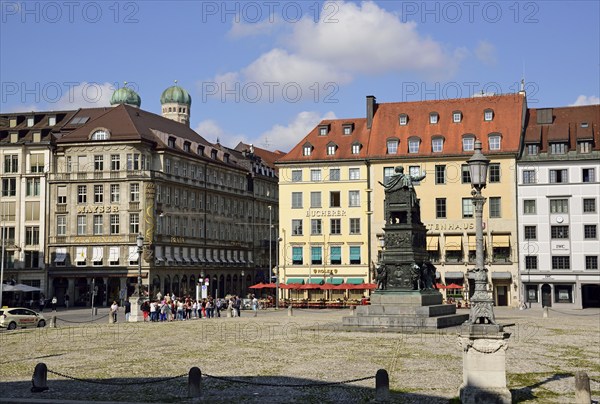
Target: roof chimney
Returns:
[371, 109]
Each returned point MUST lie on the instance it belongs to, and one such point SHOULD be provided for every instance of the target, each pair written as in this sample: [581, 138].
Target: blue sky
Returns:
[267, 72]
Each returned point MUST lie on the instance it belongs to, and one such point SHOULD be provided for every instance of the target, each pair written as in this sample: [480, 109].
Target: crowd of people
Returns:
[171, 308]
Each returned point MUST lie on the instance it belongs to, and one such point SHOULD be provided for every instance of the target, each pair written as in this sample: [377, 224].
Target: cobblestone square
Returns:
[251, 356]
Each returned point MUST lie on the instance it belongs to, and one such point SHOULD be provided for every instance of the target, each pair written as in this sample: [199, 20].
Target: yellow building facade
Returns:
[431, 137]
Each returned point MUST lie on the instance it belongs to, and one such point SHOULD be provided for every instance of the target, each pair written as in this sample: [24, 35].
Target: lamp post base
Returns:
[136, 309]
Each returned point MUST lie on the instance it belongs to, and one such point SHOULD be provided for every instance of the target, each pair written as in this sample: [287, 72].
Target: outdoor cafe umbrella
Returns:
[440, 286]
[269, 286]
[454, 286]
[257, 286]
[19, 287]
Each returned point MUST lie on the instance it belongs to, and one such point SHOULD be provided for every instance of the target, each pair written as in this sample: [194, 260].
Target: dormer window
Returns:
[488, 115]
[100, 134]
[468, 143]
[456, 116]
[226, 157]
[200, 150]
[323, 130]
[213, 154]
[186, 146]
[533, 149]
[52, 120]
[494, 141]
[403, 119]
[307, 149]
[585, 146]
[171, 142]
[558, 148]
[433, 117]
[348, 128]
[331, 147]
[437, 144]
[413, 145]
[30, 121]
[356, 148]
[392, 146]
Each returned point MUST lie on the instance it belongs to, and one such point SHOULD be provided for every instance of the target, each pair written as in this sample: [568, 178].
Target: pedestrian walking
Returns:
[53, 303]
[255, 305]
[127, 310]
[114, 308]
[67, 300]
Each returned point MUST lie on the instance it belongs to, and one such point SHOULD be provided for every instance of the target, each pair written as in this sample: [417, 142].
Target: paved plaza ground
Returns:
[272, 350]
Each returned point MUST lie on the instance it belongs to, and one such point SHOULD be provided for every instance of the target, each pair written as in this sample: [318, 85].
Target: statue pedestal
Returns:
[398, 311]
[484, 364]
[136, 309]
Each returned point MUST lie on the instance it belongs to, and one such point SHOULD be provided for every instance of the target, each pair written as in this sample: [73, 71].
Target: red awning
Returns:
[309, 286]
[290, 286]
[257, 286]
[269, 286]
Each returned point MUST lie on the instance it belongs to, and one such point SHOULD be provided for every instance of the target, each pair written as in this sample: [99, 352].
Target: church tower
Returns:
[176, 104]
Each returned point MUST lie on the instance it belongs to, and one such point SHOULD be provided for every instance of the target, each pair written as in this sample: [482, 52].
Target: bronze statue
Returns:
[381, 276]
[399, 181]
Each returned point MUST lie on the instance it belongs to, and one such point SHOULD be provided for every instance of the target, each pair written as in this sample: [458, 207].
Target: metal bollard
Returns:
[40, 378]
[583, 393]
[545, 315]
[53, 322]
[194, 382]
[290, 311]
[382, 385]
[111, 320]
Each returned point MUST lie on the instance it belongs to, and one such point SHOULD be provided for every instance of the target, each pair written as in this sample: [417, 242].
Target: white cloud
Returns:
[486, 53]
[85, 95]
[586, 100]
[281, 67]
[367, 39]
[364, 39]
[284, 137]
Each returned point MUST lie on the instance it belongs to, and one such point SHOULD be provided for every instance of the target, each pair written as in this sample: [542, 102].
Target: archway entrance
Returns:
[546, 295]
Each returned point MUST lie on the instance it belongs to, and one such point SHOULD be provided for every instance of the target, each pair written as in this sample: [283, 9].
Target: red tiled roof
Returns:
[269, 157]
[507, 118]
[507, 121]
[335, 134]
[566, 126]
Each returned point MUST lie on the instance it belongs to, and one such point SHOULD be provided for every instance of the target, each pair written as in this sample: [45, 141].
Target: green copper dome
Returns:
[176, 94]
[125, 95]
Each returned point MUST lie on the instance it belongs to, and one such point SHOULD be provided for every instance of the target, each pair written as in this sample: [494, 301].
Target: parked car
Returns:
[14, 317]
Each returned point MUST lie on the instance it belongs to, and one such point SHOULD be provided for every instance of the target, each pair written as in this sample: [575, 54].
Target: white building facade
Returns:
[558, 212]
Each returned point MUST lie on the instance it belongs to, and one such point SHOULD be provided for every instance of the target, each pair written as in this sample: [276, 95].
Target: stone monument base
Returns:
[484, 364]
[136, 314]
[397, 310]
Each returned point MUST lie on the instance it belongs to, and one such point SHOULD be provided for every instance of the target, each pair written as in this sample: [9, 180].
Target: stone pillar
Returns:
[71, 291]
[106, 302]
[136, 309]
[484, 364]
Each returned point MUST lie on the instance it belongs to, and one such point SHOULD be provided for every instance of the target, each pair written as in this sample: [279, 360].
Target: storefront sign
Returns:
[470, 225]
[325, 271]
[325, 213]
[97, 209]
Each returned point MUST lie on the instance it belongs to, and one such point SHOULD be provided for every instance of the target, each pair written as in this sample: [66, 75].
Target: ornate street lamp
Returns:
[140, 249]
[482, 305]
